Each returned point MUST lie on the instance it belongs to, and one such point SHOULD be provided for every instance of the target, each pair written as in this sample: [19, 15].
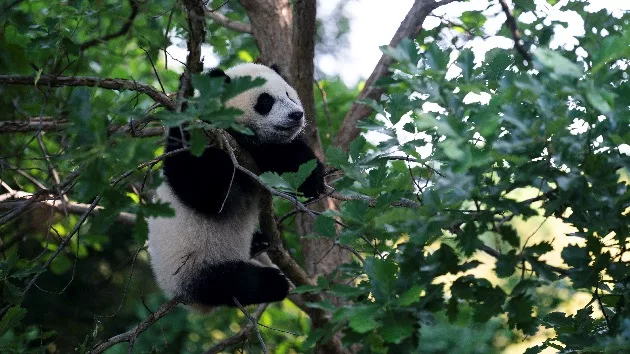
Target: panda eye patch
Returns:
[264, 104]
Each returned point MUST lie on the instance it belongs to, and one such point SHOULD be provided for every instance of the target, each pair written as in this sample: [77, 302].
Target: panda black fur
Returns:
[207, 253]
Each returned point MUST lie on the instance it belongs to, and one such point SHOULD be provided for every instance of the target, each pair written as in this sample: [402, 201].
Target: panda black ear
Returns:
[275, 68]
[217, 72]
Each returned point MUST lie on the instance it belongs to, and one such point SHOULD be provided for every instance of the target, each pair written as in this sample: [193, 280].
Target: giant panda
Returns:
[210, 252]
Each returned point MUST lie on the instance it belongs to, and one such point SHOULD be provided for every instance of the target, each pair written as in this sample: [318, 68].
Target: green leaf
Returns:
[197, 142]
[558, 63]
[397, 106]
[473, 18]
[466, 61]
[356, 146]
[25, 272]
[306, 289]
[11, 319]
[410, 296]
[372, 103]
[509, 235]
[397, 327]
[12, 294]
[336, 156]
[295, 179]
[382, 274]
[575, 256]
[140, 229]
[539, 249]
[273, 179]
[362, 319]
[325, 226]
[506, 264]
[241, 84]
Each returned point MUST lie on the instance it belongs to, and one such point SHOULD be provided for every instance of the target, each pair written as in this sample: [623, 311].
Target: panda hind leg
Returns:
[218, 284]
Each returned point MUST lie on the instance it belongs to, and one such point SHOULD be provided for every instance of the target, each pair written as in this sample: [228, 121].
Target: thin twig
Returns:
[154, 69]
[254, 324]
[239, 337]
[124, 29]
[228, 23]
[260, 182]
[516, 33]
[132, 334]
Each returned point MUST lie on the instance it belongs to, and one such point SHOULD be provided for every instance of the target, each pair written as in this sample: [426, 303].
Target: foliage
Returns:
[473, 225]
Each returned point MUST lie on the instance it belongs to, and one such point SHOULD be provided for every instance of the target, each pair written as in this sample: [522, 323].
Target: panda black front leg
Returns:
[250, 283]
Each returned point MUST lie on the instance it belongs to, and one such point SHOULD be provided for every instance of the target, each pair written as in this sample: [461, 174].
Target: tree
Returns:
[450, 225]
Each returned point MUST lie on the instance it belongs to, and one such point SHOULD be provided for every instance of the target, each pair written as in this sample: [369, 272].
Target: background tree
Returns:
[478, 201]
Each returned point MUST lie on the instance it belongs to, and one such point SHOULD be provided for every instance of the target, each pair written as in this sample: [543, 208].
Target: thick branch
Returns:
[227, 23]
[131, 335]
[88, 81]
[409, 28]
[510, 21]
[304, 27]
[124, 29]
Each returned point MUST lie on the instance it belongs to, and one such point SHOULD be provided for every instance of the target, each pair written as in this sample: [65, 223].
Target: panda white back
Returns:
[205, 254]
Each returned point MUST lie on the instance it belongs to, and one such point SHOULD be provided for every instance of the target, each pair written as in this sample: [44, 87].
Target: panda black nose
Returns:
[297, 115]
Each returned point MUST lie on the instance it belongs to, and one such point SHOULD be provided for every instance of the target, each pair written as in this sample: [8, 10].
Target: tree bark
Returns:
[271, 25]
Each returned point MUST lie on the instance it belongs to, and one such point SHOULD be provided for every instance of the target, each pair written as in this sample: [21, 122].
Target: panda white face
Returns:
[273, 111]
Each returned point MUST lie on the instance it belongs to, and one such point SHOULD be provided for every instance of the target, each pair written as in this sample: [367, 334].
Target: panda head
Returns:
[272, 111]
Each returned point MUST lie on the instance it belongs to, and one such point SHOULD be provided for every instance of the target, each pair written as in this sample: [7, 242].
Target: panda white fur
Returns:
[205, 254]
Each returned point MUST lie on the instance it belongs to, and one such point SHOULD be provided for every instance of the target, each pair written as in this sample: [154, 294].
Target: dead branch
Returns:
[131, 335]
[36, 197]
[409, 28]
[228, 23]
[242, 335]
[11, 200]
[510, 21]
[123, 29]
[88, 81]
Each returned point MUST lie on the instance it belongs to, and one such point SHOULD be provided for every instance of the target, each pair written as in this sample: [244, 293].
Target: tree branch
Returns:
[131, 335]
[228, 23]
[195, 15]
[241, 335]
[510, 21]
[134, 128]
[409, 28]
[124, 29]
[11, 200]
[88, 81]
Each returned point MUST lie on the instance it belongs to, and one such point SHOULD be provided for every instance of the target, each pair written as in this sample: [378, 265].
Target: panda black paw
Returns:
[314, 185]
[260, 243]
